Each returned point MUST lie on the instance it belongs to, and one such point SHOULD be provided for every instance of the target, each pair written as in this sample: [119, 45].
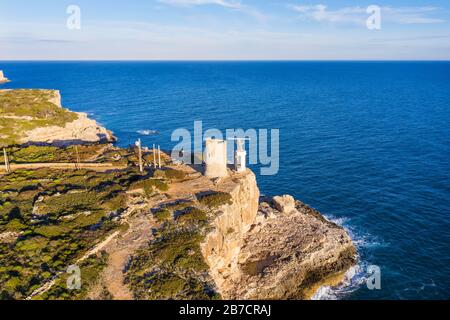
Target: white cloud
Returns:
[236, 5]
[358, 15]
[222, 3]
[413, 15]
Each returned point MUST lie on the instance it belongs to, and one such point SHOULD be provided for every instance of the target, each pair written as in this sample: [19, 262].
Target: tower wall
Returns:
[216, 158]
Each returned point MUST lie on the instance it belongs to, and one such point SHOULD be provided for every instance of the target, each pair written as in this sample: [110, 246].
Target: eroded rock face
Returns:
[284, 257]
[82, 130]
[222, 246]
[278, 249]
[2, 77]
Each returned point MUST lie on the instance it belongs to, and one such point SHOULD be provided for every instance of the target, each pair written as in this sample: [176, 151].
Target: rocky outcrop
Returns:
[222, 246]
[278, 249]
[289, 253]
[81, 130]
[3, 79]
[284, 204]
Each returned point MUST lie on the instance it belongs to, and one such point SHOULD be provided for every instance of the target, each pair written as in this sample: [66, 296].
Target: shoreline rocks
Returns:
[279, 248]
[3, 79]
[80, 129]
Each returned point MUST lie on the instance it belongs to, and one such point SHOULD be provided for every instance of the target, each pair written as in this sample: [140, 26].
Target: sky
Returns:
[224, 30]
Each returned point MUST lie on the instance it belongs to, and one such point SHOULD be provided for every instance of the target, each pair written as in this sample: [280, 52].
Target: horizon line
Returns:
[224, 60]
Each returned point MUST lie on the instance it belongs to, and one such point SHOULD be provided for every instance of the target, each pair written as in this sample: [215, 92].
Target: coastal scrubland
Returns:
[164, 233]
[172, 265]
[50, 219]
[25, 110]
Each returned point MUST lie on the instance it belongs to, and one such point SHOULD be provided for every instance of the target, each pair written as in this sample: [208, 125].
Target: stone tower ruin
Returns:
[215, 158]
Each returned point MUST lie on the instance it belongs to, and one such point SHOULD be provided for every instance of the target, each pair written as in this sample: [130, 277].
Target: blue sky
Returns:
[224, 30]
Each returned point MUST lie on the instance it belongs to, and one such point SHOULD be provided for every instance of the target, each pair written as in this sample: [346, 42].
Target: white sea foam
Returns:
[356, 276]
[353, 279]
[147, 132]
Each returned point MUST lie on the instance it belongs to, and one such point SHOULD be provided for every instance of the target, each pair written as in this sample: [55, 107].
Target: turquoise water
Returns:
[366, 143]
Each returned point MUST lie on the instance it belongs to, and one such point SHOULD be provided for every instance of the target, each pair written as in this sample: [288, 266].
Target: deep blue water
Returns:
[366, 143]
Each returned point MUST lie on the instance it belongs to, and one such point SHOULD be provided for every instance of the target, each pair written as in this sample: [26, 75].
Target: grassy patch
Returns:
[192, 215]
[172, 267]
[171, 174]
[162, 214]
[25, 110]
[90, 270]
[215, 199]
[71, 216]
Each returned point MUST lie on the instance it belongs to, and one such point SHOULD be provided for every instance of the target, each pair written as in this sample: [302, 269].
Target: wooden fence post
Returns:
[7, 166]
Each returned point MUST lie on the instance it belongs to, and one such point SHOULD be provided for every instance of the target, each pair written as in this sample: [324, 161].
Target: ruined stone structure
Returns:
[215, 158]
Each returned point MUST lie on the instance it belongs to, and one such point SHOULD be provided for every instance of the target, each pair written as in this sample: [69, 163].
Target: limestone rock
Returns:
[2, 77]
[278, 249]
[284, 203]
[9, 237]
[221, 247]
[81, 130]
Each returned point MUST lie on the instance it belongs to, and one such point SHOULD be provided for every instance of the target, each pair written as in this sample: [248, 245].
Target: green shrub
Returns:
[91, 269]
[32, 244]
[175, 174]
[151, 186]
[52, 231]
[192, 214]
[34, 154]
[70, 203]
[162, 215]
[117, 203]
[214, 200]
[15, 225]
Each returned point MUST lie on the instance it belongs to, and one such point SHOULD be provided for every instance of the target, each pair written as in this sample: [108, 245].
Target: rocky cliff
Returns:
[81, 130]
[37, 117]
[275, 249]
[171, 233]
[2, 77]
[222, 246]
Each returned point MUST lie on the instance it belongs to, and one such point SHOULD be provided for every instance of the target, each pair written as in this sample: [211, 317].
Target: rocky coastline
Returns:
[220, 235]
[76, 127]
[274, 248]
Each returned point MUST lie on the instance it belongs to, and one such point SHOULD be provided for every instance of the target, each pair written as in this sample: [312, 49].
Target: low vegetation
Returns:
[25, 110]
[214, 199]
[99, 153]
[65, 286]
[170, 174]
[50, 218]
[172, 266]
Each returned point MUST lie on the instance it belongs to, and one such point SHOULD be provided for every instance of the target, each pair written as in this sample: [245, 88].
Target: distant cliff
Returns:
[2, 77]
[36, 117]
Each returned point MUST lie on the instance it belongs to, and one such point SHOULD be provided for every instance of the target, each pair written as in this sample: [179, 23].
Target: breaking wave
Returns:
[148, 132]
[356, 276]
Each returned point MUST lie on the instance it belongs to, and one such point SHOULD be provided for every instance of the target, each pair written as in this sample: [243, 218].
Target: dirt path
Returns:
[120, 250]
[119, 246]
[92, 166]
